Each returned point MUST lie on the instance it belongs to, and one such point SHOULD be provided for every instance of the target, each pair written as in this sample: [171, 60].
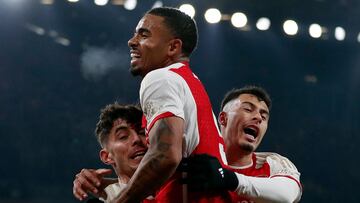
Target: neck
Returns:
[123, 179]
[239, 159]
[177, 60]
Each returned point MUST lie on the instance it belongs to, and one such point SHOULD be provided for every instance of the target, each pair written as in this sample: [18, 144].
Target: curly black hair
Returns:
[131, 113]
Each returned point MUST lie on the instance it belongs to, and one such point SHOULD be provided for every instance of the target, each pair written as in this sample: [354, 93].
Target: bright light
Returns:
[315, 30]
[238, 19]
[290, 27]
[130, 4]
[340, 33]
[358, 38]
[36, 29]
[73, 0]
[157, 4]
[63, 41]
[47, 2]
[188, 9]
[101, 2]
[213, 15]
[263, 23]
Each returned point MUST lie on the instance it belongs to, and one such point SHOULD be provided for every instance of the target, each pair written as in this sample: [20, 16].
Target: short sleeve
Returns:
[161, 95]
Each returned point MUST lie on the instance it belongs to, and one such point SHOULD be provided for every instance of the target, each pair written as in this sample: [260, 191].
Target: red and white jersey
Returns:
[269, 165]
[176, 91]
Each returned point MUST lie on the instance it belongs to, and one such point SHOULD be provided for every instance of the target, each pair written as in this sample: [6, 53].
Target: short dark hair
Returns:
[259, 92]
[131, 113]
[181, 25]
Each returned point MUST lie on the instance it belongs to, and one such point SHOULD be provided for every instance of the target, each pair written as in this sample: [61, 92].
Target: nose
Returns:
[138, 139]
[257, 116]
[132, 41]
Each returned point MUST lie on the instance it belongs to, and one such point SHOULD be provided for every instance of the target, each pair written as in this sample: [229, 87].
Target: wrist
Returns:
[231, 180]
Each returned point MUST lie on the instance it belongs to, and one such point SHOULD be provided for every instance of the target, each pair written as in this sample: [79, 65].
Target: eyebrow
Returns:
[122, 127]
[142, 30]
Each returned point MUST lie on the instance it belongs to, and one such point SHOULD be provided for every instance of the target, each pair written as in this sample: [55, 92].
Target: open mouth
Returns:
[251, 131]
[134, 54]
[138, 155]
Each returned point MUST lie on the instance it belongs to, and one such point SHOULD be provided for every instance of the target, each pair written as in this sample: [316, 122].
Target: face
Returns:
[124, 148]
[244, 123]
[150, 45]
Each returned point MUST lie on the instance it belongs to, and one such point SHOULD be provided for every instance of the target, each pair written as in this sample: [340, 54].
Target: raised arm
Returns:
[160, 161]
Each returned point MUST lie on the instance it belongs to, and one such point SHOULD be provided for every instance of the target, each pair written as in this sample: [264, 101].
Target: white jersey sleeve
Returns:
[161, 95]
[283, 184]
[112, 191]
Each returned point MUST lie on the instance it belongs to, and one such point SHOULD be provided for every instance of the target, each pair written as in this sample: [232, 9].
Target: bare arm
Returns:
[160, 161]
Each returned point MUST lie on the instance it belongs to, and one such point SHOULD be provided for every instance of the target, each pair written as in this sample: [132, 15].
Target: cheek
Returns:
[264, 127]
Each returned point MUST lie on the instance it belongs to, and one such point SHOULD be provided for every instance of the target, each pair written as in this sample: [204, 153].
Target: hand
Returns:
[205, 173]
[91, 181]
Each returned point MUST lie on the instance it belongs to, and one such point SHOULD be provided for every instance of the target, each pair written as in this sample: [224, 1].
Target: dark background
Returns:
[50, 94]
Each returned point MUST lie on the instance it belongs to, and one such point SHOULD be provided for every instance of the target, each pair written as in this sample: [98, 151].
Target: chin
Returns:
[247, 147]
[135, 71]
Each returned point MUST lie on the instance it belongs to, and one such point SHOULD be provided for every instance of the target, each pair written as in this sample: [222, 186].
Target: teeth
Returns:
[134, 55]
[139, 155]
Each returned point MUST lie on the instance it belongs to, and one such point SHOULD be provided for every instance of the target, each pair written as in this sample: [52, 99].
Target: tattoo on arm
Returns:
[161, 160]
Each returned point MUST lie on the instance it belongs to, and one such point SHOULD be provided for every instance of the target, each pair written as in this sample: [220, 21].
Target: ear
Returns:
[106, 157]
[222, 118]
[175, 47]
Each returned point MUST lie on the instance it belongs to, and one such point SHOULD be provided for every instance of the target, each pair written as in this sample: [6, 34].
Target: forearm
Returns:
[277, 189]
[158, 164]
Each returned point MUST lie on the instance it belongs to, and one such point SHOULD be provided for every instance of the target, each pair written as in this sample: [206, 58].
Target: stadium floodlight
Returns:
[290, 27]
[101, 2]
[340, 33]
[188, 9]
[315, 30]
[47, 2]
[157, 4]
[213, 15]
[130, 4]
[238, 19]
[263, 23]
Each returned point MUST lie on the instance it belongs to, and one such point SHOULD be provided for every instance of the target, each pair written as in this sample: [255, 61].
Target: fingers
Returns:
[104, 171]
[78, 192]
[90, 178]
[87, 181]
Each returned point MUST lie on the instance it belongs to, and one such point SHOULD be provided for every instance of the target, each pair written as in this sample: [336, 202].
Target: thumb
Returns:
[104, 171]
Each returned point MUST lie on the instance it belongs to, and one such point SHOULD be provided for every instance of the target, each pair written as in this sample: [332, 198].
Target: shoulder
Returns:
[272, 158]
[279, 165]
[162, 79]
[261, 158]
